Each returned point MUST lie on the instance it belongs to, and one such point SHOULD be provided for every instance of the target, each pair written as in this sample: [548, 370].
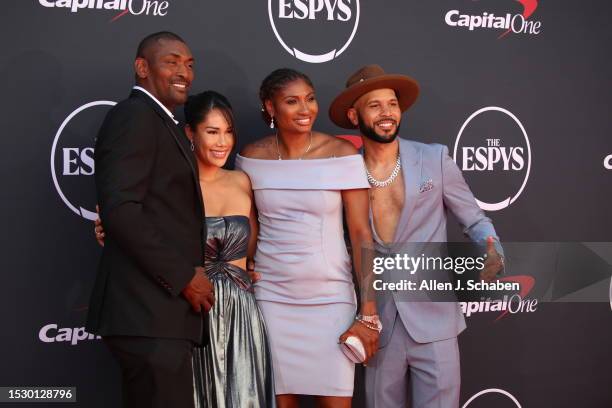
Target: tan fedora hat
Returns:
[367, 79]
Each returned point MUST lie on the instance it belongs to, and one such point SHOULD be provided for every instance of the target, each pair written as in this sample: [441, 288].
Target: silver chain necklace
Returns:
[299, 158]
[389, 180]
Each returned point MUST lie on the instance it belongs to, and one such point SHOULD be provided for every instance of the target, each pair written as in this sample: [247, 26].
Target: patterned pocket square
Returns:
[426, 186]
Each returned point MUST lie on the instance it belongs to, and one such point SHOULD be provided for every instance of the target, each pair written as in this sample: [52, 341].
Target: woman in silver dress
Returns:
[302, 182]
[234, 369]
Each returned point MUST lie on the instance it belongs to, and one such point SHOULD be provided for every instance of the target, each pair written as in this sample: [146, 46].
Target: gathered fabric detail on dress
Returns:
[228, 238]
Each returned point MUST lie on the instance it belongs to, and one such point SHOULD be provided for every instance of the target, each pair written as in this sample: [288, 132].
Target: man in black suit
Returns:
[150, 290]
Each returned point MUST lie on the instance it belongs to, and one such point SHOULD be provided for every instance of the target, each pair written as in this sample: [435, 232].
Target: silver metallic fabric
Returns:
[234, 369]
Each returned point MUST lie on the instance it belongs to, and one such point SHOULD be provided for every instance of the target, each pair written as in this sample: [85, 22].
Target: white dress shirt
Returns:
[141, 89]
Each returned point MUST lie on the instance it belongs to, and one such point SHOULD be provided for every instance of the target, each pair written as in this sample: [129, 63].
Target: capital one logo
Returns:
[506, 396]
[493, 151]
[51, 333]
[519, 23]
[133, 7]
[72, 163]
[314, 31]
[517, 303]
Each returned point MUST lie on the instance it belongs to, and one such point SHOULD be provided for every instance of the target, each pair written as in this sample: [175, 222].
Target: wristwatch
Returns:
[371, 322]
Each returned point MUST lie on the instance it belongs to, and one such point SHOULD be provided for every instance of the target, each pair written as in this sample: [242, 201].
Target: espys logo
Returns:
[133, 7]
[51, 333]
[517, 23]
[314, 31]
[608, 162]
[517, 303]
[610, 293]
[494, 152]
[72, 163]
[506, 395]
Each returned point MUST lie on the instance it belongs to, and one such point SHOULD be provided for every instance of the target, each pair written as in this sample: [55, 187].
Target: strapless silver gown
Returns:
[234, 369]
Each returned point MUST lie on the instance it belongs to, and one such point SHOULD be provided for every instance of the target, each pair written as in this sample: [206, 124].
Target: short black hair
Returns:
[152, 39]
[199, 106]
[275, 81]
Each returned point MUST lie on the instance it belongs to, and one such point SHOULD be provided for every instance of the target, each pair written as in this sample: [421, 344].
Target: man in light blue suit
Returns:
[413, 186]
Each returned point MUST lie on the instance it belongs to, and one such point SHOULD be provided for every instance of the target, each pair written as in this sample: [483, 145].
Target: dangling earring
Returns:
[272, 122]
[192, 146]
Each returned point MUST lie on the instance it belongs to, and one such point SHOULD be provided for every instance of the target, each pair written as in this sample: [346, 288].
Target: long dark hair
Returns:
[275, 81]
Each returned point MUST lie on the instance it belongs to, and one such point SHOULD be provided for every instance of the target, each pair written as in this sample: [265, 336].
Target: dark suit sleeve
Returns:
[459, 199]
[124, 156]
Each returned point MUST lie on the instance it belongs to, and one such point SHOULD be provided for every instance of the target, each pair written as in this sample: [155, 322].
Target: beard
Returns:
[371, 134]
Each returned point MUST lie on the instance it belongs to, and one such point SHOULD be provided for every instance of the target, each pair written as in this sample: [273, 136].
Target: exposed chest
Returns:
[386, 205]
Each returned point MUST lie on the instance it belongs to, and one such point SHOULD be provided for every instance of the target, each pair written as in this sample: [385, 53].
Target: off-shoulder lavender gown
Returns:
[306, 291]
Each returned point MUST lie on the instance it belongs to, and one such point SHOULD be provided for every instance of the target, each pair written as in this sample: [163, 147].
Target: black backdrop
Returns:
[555, 83]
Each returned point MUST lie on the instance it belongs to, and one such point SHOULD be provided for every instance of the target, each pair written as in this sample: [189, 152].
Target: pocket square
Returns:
[426, 186]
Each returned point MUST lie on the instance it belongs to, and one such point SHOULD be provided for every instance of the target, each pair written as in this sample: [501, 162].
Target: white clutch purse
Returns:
[353, 349]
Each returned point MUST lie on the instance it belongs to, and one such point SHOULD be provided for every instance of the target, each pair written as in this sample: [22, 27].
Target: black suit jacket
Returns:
[153, 216]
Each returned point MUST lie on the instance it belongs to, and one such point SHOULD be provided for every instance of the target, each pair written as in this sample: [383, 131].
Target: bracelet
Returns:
[368, 325]
[371, 322]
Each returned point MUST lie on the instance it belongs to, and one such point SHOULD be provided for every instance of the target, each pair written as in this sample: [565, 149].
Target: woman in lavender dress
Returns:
[302, 182]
